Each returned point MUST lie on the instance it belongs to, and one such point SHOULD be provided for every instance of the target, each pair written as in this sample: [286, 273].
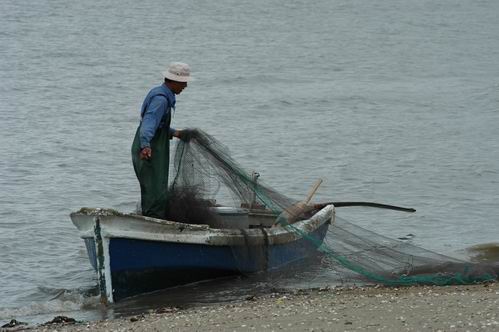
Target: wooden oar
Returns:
[369, 204]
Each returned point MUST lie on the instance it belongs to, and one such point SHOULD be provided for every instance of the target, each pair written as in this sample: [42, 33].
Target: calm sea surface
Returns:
[390, 101]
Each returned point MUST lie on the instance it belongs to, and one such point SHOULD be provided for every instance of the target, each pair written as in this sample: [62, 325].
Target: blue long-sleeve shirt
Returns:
[156, 109]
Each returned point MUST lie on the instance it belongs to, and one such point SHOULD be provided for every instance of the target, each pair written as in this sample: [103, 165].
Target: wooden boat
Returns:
[133, 254]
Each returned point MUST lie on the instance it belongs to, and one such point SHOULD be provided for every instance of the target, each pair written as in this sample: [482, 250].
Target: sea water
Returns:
[389, 101]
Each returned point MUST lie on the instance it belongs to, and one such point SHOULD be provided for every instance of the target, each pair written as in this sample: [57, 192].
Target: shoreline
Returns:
[376, 308]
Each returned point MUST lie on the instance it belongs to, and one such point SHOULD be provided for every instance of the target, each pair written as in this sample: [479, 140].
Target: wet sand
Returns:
[451, 308]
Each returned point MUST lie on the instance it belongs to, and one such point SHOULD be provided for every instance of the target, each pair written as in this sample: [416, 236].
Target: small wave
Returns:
[62, 301]
[485, 252]
[69, 294]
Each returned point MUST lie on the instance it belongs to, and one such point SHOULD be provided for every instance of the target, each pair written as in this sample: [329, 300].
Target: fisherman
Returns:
[151, 145]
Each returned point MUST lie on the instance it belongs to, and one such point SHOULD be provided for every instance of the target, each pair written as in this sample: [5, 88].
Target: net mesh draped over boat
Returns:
[204, 171]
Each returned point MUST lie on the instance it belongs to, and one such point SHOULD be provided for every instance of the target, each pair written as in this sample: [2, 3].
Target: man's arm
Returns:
[150, 122]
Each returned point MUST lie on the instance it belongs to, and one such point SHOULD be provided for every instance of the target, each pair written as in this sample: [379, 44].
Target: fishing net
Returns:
[393, 262]
[205, 177]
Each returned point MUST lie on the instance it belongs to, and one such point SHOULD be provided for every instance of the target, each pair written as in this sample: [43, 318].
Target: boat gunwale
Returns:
[151, 229]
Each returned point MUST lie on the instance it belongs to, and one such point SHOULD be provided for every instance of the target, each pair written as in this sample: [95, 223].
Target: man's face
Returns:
[177, 87]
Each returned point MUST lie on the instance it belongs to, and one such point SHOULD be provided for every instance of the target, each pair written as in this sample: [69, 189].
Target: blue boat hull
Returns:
[134, 254]
[139, 266]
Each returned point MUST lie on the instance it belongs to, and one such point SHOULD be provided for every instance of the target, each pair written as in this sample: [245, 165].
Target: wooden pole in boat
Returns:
[292, 213]
[312, 192]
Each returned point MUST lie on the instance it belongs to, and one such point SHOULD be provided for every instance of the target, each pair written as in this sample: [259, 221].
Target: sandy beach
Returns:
[451, 308]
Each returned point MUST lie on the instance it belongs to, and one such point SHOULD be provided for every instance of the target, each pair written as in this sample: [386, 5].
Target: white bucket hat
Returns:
[179, 72]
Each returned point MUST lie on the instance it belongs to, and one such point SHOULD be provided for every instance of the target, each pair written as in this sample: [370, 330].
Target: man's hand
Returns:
[177, 134]
[146, 153]
[184, 135]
